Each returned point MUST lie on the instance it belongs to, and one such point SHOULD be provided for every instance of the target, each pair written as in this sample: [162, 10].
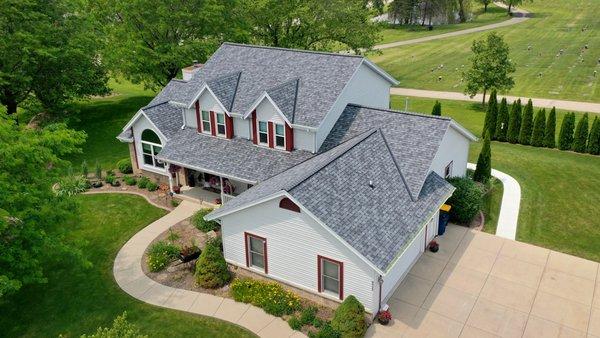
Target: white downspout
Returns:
[184, 119]
[170, 179]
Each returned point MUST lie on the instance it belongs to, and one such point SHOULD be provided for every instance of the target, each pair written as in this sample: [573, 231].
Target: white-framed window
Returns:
[263, 132]
[330, 276]
[151, 146]
[448, 170]
[279, 136]
[206, 121]
[256, 252]
[220, 124]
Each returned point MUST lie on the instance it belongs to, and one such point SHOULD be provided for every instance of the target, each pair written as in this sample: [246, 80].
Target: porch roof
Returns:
[235, 158]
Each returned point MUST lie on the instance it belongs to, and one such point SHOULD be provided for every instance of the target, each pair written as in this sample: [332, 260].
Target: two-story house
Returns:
[323, 187]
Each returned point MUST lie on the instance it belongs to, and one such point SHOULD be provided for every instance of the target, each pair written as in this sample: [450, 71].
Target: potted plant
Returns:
[434, 246]
[384, 317]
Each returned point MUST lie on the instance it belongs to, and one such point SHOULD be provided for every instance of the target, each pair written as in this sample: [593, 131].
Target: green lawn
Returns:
[77, 300]
[560, 190]
[399, 33]
[556, 25]
[491, 206]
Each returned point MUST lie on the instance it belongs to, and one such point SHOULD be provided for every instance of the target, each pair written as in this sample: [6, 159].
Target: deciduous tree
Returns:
[491, 67]
[539, 128]
[502, 121]
[526, 124]
[485, 4]
[550, 133]
[581, 135]
[491, 116]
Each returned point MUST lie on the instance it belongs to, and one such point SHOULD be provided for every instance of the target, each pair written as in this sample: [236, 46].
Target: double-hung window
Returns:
[330, 276]
[256, 252]
[206, 121]
[220, 124]
[279, 136]
[263, 133]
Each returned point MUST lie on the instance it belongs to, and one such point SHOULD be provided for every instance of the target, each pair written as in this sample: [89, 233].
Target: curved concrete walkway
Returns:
[510, 205]
[519, 15]
[128, 273]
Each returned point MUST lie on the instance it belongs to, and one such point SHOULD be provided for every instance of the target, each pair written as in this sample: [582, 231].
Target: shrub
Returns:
[270, 296]
[98, 170]
[160, 254]
[71, 185]
[142, 183]
[349, 318]
[211, 268]
[121, 328]
[129, 180]
[152, 186]
[326, 331]
[317, 322]
[550, 133]
[175, 203]
[594, 139]
[526, 124]
[581, 135]
[514, 122]
[466, 200]
[84, 169]
[202, 224]
[295, 323]
[539, 129]
[110, 179]
[124, 166]
[565, 138]
[501, 122]
[308, 315]
[491, 115]
[483, 171]
[437, 109]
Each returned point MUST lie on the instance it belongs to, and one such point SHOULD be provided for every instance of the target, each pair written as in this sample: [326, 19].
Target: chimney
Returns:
[188, 72]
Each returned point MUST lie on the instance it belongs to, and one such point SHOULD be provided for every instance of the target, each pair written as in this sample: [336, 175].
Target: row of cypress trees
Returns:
[520, 126]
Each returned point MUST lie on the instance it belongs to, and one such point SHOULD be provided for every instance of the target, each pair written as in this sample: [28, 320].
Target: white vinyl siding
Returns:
[454, 148]
[138, 127]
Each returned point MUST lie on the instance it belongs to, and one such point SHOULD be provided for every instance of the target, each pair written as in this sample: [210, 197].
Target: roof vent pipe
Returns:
[371, 184]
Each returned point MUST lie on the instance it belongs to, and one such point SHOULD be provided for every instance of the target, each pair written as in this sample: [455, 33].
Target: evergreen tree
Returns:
[491, 116]
[594, 139]
[483, 172]
[437, 109]
[565, 138]
[581, 135]
[502, 121]
[526, 124]
[550, 134]
[539, 128]
[514, 122]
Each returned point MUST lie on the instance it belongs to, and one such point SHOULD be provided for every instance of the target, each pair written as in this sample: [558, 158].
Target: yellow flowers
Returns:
[270, 296]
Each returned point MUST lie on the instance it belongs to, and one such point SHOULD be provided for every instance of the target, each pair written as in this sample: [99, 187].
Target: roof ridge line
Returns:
[154, 105]
[389, 110]
[295, 100]
[282, 84]
[396, 164]
[237, 85]
[292, 50]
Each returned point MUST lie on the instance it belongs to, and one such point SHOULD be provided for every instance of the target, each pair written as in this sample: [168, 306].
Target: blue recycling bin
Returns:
[444, 219]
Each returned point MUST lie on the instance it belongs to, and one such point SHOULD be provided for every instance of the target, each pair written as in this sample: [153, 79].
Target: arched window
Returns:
[151, 146]
[287, 203]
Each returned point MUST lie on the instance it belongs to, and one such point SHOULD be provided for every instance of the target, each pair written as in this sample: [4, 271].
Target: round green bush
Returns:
[349, 319]
[295, 323]
[143, 182]
[152, 186]
[160, 254]
[211, 268]
[202, 224]
[466, 201]
[129, 180]
[124, 166]
[326, 331]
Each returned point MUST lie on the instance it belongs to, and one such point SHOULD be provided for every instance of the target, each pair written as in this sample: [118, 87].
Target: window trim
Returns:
[217, 124]
[247, 237]
[448, 170]
[275, 136]
[266, 132]
[202, 121]
[320, 275]
[152, 154]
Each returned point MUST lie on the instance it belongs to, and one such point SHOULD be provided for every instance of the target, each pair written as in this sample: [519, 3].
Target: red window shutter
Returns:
[198, 121]
[247, 246]
[254, 134]
[319, 286]
[289, 138]
[271, 134]
[213, 123]
[228, 126]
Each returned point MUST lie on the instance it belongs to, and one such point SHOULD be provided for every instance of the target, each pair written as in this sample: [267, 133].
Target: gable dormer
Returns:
[208, 115]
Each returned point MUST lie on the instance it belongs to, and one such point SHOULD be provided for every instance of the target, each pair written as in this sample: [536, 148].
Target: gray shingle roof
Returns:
[322, 78]
[167, 118]
[126, 135]
[284, 97]
[175, 90]
[413, 138]
[224, 88]
[376, 221]
[236, 157]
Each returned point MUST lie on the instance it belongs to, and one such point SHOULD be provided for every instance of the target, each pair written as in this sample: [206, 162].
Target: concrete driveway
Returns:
[480, 285]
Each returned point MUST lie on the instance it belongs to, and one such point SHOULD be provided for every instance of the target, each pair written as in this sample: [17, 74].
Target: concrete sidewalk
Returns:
[128, 273]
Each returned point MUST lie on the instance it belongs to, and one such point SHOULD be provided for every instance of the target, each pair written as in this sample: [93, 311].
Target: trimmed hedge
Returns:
[502, 122]
[349, 318]
[526, 124]
[594, 139]
[550, 133]
[270, 296]
[539, 129]
[514, 122]
[211, 268]
[565, 138]
[124, 166]
[160, 254]
[201, 224]
[466, 201]
[581, 135]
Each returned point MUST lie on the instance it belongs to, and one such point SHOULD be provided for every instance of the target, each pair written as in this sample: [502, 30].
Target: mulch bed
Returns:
[160, 196]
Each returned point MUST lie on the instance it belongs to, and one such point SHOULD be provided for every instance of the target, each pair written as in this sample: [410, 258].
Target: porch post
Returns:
[221, 178]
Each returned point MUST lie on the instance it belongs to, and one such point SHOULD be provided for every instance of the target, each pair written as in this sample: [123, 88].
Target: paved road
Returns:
[589, 107]
[519, 15]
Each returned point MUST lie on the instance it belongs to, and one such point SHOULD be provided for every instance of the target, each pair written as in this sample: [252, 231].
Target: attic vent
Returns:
[286, 203]
[371, 184]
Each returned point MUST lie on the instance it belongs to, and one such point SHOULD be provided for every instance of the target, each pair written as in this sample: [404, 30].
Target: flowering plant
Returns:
[385, 315]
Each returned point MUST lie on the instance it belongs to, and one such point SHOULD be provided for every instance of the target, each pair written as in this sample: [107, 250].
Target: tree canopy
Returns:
[491, 66]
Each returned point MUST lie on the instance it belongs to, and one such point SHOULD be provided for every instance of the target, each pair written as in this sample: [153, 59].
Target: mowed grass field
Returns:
[560, 189]
[542, 71]
[480, 18]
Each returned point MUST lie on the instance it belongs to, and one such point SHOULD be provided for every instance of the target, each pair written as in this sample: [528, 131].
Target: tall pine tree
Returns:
[539, 128]
[550, 135]
[526, 124]
[437, 109]
[581, 135]
[514, 122]
[565, 138]
[483, 171]
[491, 115]
[594, 139]
[502, 121]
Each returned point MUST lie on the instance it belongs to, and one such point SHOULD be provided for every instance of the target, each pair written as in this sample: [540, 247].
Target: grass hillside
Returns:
[557, 24]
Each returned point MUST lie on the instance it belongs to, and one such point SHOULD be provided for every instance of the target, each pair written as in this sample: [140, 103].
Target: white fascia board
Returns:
[133, 119]
[381, 72]
[462, 130]
[259, 100]
[197, 96]
[216, 213]
[154, 126]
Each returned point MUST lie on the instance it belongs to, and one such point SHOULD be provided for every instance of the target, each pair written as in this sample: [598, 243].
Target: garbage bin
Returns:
[444, 219]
